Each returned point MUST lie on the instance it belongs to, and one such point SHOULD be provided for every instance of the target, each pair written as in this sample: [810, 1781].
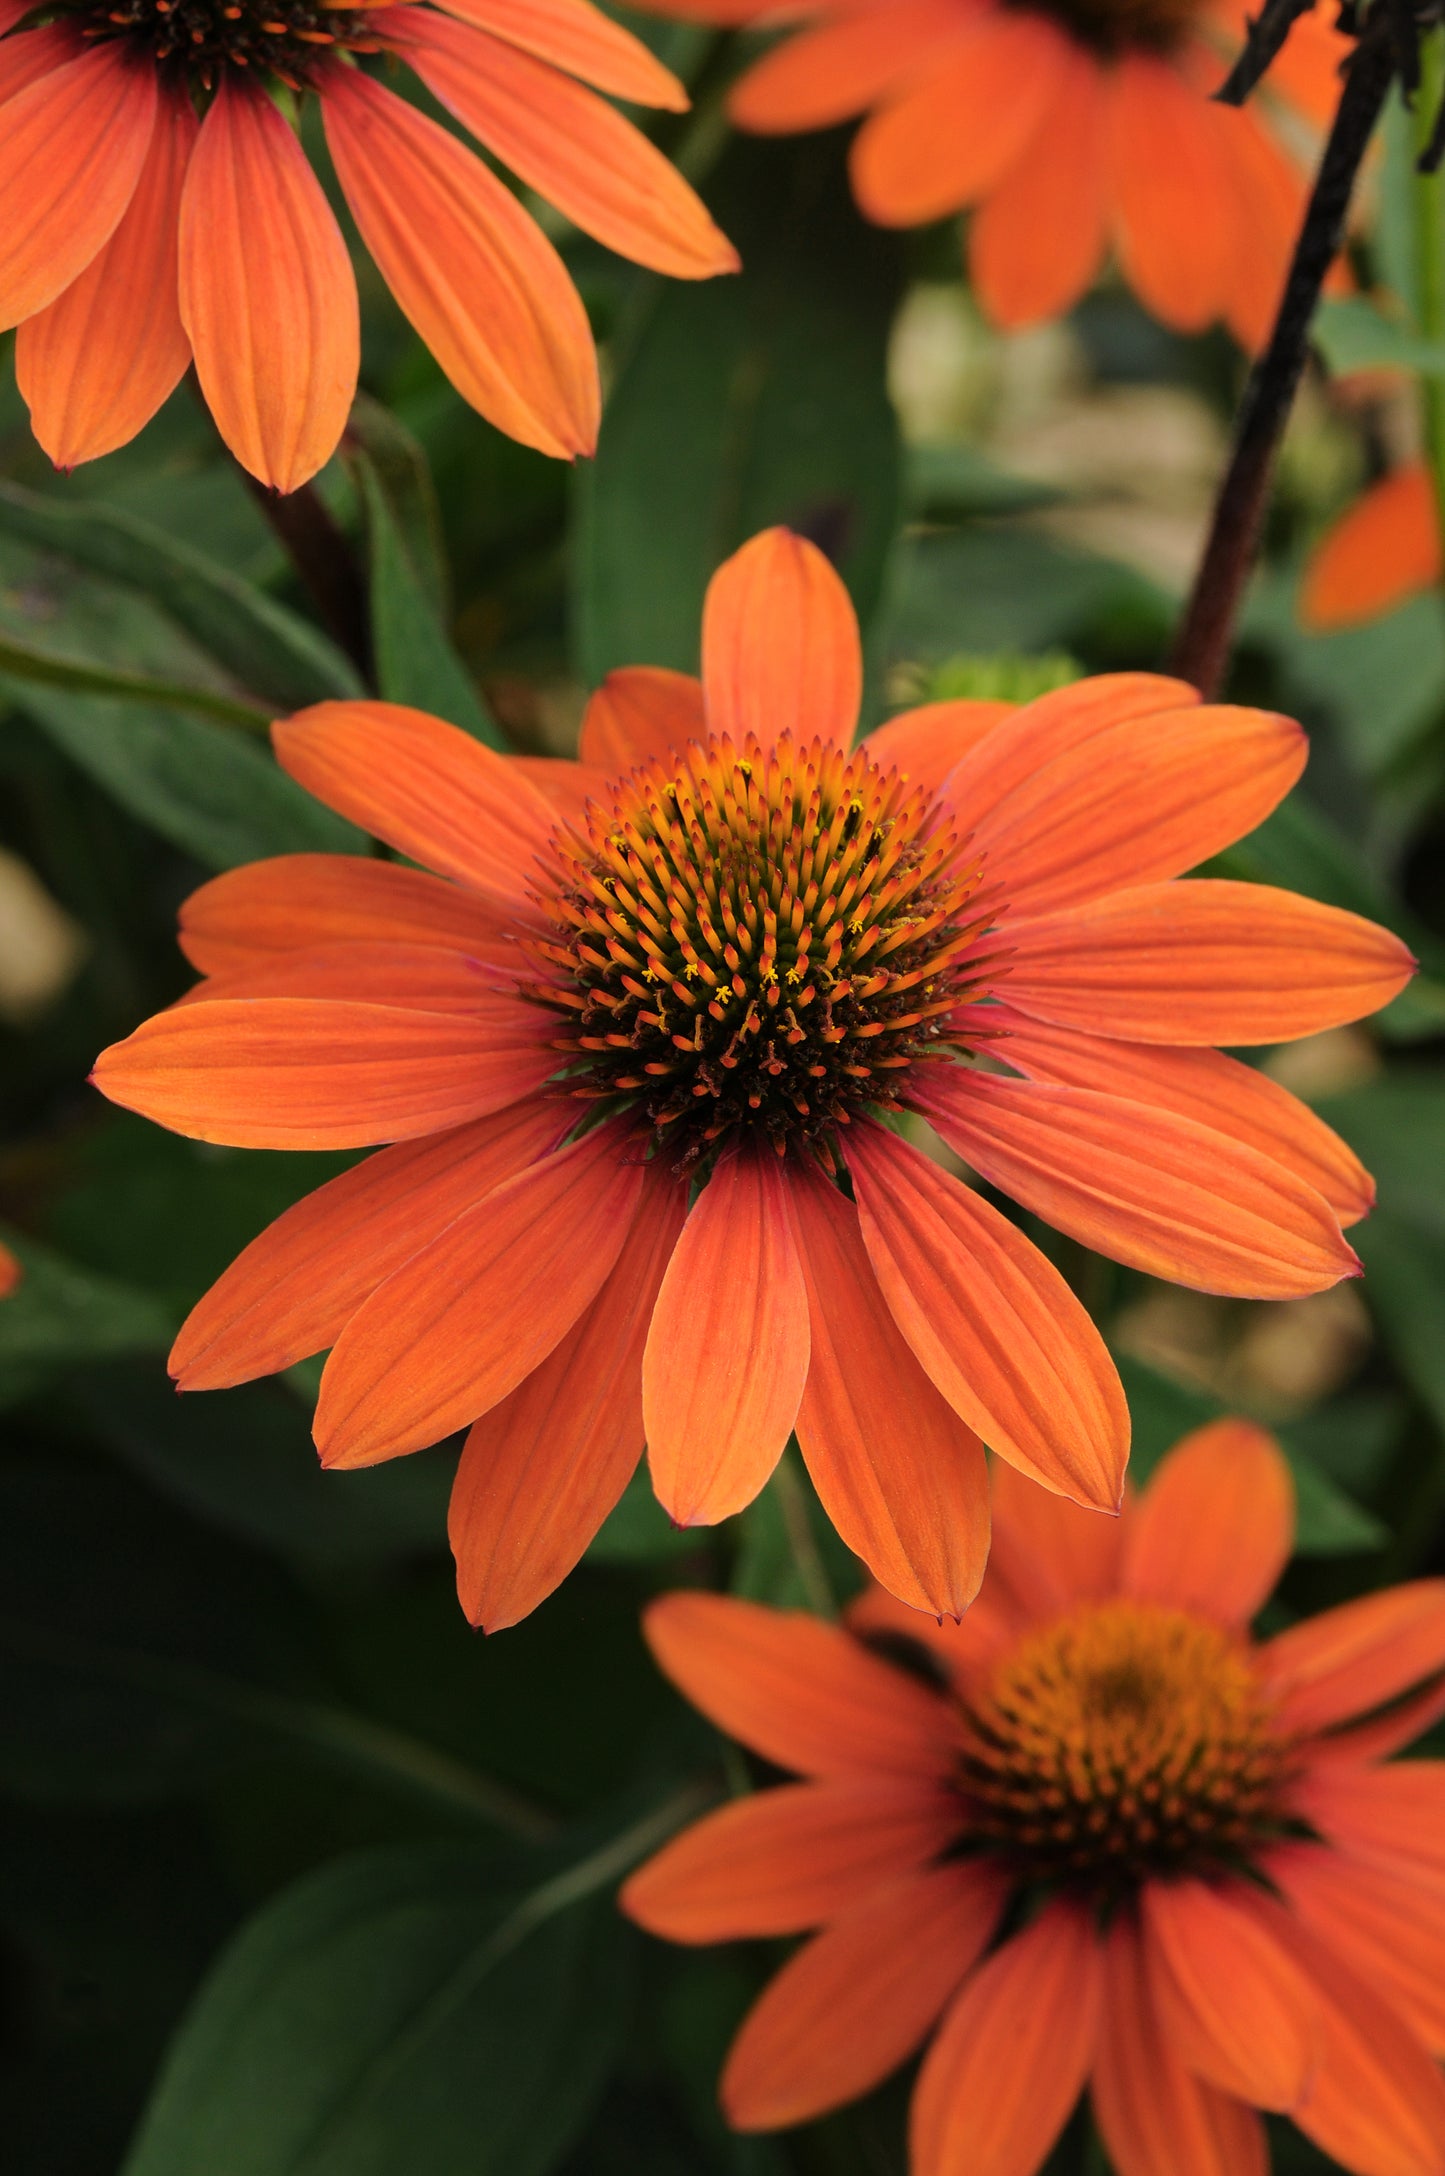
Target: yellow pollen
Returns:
[1123, 1741]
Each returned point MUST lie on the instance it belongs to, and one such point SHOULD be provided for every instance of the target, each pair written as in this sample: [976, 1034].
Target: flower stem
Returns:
[1202, 646]
[322, 555]
[1429, 209]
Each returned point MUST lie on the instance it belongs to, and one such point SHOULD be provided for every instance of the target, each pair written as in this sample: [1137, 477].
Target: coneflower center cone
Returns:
[201, 40]
[765, 943]
[1124, 1741]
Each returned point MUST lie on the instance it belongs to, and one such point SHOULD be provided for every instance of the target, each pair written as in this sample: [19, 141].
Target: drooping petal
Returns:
[97, 363]
[1050, 727]
[992, 1321]
[1384, 550]
[1214, 1090]
[566, 143]
[574, 35]
[73, 147]
[1376, 2103]
[780, 645]
[1013, 2054]
[1140, 801]
[1392, 1816]
[1152, 2113]
[1213, 1530]
[1349, 1660]
[926, 744]
[425, 787]
[1038, 238]
[858, 1999]
[291, 1292]
[1384, 1926]
[466, 1319]
[1142, 1185]
[945, 139]
[1238, 2007]
[727, 1353]
[267, 293]
[1204, 961]
[540, 1472]
[309, 1073]
[471, 270]
[641, 711]
[788, 1859]
[1048, 1554]
[842, 67]
[802, 1693]
[1174, 212]
[251, 916]
[902, 1478]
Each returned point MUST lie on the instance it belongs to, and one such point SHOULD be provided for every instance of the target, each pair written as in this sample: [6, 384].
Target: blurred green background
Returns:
[297, 1873]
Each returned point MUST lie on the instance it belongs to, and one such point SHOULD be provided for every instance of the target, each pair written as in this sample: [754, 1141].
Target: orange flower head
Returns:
[1384, 550]
[1069, 128]
[158, 209]
[631, 1043]
[1095, 1836]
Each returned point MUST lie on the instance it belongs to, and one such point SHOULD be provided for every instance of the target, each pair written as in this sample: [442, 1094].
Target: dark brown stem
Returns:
[1202, 645]
[322, 555]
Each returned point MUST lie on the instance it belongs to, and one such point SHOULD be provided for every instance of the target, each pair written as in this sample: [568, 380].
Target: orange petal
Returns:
[1204, 1085]
[1385, 549]
[638, 712]
[574, 35]
[1377, 1920]
[945, 140]
[541, 1471]
[1039, 236]
[964, 1652]
[727, 1355]
[1377, 2103]
[97, 363]
[993, 1322]
[840, 68]
[1012, 2056]
[1213, 1530]
[251, 916]
[425, 787]
[1003, 762]
[469, 267]
[1142, 1185]
[927, 743]
[417, 977]
[35, 53]
[1393, 1816]
[1141, 800]
[802, 1693]
[857, 2001]
[788, 1859]
[291, 1292]
[292, 1072]
[73, 147]
[1308, 69]
[1237, 2006]
[1204, 961]
[780, 647]
[467, 1318]
[1270, 193]
[902, 1478]
[1357, 1657]
[566, 143]
[267, 294]
[1152, 2113]
[1174, 212]
[1049, 1555]
[565, 786]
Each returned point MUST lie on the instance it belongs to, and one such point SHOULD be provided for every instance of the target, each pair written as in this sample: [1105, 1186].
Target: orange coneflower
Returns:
[636, 1041]
[156, 206]
[1379, 554]
[1072, 126]
[1095, 1835]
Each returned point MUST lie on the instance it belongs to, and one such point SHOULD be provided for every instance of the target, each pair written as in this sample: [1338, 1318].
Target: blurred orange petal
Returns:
[1048, 1554]
[830, 73]
[1213, 1530]
[1039, 236]
[1383, 551]
[1235, 2001]
[1358, 1656]
[574, 35]
[1174, 215]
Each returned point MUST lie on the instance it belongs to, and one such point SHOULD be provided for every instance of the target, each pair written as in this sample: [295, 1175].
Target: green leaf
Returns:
[1353, 334]
[987, 588]
[60, 1314]
[1396, 1126]
[1405, 1288]
[742, 403]
[24, 663]
[267, 648]
[638, 1530]
[419, 2010]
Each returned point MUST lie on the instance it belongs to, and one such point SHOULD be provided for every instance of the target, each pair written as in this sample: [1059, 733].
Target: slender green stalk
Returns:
[802, 1542]
[1429, 208]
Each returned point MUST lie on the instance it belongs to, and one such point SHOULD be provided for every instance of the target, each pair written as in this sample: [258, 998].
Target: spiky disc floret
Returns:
[764, 943]
[1123, 1742]
[201, 40]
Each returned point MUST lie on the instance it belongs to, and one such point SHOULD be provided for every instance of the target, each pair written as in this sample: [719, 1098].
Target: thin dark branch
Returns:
[1201, 649]
[322, 555]
[1267, 33]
